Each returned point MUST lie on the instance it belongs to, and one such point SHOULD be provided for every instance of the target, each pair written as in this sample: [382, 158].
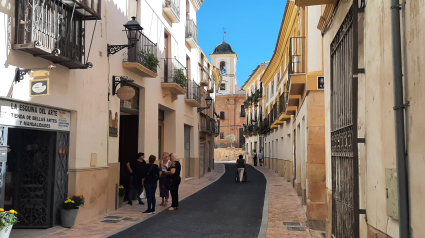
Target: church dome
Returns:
[223, 48]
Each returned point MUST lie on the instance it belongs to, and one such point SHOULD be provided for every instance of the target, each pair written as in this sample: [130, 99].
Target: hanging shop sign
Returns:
[39, 87]
[31, 116]
[126, 93]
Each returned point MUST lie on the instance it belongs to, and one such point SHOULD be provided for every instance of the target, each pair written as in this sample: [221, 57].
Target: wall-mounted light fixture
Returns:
[133, 30]
[208, 101]
[19, 73]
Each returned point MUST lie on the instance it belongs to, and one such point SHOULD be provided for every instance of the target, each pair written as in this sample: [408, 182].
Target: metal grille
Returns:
[3, 142]
[193, 91]
[174, 72]
[191, 30]
[344, 207]
[61, 173]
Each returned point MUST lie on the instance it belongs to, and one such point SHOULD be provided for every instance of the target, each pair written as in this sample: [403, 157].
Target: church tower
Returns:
[225, 59]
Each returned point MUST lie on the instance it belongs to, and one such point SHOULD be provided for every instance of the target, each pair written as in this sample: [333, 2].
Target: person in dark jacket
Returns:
[240, 165]
[136, 168]
[150, 182]
[174, 174]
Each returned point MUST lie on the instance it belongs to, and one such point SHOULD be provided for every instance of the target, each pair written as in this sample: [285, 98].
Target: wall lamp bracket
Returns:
[200, 109]
[112, 49]
[117, 80]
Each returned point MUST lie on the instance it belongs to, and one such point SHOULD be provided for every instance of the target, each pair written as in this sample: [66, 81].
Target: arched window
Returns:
[223, 67]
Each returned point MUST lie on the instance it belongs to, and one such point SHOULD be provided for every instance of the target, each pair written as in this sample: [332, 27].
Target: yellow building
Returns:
[292, 130]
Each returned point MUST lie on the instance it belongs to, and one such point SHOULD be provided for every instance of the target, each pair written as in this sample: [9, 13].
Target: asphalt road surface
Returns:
[223, 209]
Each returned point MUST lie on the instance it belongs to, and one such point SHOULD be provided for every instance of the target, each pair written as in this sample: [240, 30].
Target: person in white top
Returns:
[164, 193]
[260, 158]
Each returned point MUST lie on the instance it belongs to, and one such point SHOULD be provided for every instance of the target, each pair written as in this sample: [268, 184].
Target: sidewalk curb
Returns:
[125, 228]
[265, 219]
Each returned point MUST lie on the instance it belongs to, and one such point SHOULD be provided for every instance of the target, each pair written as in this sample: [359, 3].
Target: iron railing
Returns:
[174, 72]
[174, 5]
[52, 29]
[274, 112]
[297, 55]
[208, 124]
[144, 52]
[193, 91]
[282, 103]
[191, 30]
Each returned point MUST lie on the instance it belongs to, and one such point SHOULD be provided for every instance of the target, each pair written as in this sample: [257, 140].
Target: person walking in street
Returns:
[136, 168]
[149, 181]
[240, 165]
[164, 193]
[174, 178]
[260, 158]
[255, 157]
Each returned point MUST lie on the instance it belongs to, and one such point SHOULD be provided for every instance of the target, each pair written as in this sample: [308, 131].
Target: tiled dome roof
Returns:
[223, 48]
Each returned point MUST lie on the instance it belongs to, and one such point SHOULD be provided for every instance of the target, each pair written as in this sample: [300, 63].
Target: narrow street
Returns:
[222, 209]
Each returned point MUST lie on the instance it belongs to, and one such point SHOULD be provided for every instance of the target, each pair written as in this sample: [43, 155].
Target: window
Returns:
[272, 88]
[222, 116]
[242, 111]
[223, 67]
[223, 86]
[278, 76]
[221, 135]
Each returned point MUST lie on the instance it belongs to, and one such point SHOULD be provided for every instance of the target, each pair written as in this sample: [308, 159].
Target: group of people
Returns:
[257, 157]
[146, 176]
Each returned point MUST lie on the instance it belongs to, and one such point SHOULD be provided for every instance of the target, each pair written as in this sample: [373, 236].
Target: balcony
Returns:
[204, 76]
[171, 9]
[210, 88]
[174, 82]
[191, 33]
[303, 3]
[90, 9]
[208, 124]
[47, 31]
[297, 80]
[193, 95]
[142, 59]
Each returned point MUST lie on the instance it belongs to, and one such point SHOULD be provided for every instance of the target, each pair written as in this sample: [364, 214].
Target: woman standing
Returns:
[174, 174]
[163, 191]
[149, 181]
[136, 167]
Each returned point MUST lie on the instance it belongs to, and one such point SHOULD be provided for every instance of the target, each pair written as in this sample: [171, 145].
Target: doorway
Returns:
[36, 181]
[187, 159]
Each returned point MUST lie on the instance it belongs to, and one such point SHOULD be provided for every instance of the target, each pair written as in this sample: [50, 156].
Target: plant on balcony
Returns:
[148, 59]
[179, 78]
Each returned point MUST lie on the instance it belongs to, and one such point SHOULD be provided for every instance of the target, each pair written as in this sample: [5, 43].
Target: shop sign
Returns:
[126, 93]
[31, 116]
[39, 87]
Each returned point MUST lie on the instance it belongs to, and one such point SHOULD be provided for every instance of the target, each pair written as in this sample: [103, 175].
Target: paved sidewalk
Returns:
[130, 215]
[284, 206]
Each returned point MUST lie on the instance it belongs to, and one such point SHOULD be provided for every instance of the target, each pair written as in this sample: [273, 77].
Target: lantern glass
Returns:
[208, 101]
[133, 30]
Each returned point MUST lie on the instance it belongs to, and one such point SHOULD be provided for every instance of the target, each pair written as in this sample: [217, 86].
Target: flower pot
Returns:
[5, 232]
[68, 217]
[121, 200]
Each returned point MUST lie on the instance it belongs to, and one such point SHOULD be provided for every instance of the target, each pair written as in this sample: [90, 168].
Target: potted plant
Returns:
[180, 78]
[121, 194]
[148, 59]
[69, 210]
[7, 220]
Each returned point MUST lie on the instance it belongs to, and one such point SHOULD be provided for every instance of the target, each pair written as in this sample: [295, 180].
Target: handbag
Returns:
[143, 195]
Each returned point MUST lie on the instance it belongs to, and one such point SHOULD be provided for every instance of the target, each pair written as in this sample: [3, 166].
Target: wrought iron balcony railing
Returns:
[297, 55]
[50, 29]
[145, 53]
[191, 30]
[174, 5]
[282, 103]
[174, 72]
[208, 124]
[193, 91]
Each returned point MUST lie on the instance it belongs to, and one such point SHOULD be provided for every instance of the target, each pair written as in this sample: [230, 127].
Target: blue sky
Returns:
[251, 25]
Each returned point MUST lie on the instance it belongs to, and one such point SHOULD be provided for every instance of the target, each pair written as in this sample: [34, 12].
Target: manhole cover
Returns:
[113, 217]
[296, 229]
[111, 221]
[292, 224]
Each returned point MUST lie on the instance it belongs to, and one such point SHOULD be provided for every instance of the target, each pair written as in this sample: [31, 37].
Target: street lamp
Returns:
[133, 31]
[208, 101]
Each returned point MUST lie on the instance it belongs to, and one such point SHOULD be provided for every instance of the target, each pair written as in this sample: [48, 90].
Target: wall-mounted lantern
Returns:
[133, 31]
[208, 101]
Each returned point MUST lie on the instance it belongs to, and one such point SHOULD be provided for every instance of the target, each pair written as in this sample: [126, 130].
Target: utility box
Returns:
[392, 192]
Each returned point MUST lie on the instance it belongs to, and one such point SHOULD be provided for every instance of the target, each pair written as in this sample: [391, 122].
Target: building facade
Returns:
[110, 95]
[229, 97]
[373, 100]
[291, 128]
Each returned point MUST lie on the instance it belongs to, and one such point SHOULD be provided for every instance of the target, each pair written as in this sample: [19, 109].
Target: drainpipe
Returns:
[402, 179]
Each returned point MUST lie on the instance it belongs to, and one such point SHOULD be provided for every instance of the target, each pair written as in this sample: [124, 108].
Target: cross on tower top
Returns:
[224, 32]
